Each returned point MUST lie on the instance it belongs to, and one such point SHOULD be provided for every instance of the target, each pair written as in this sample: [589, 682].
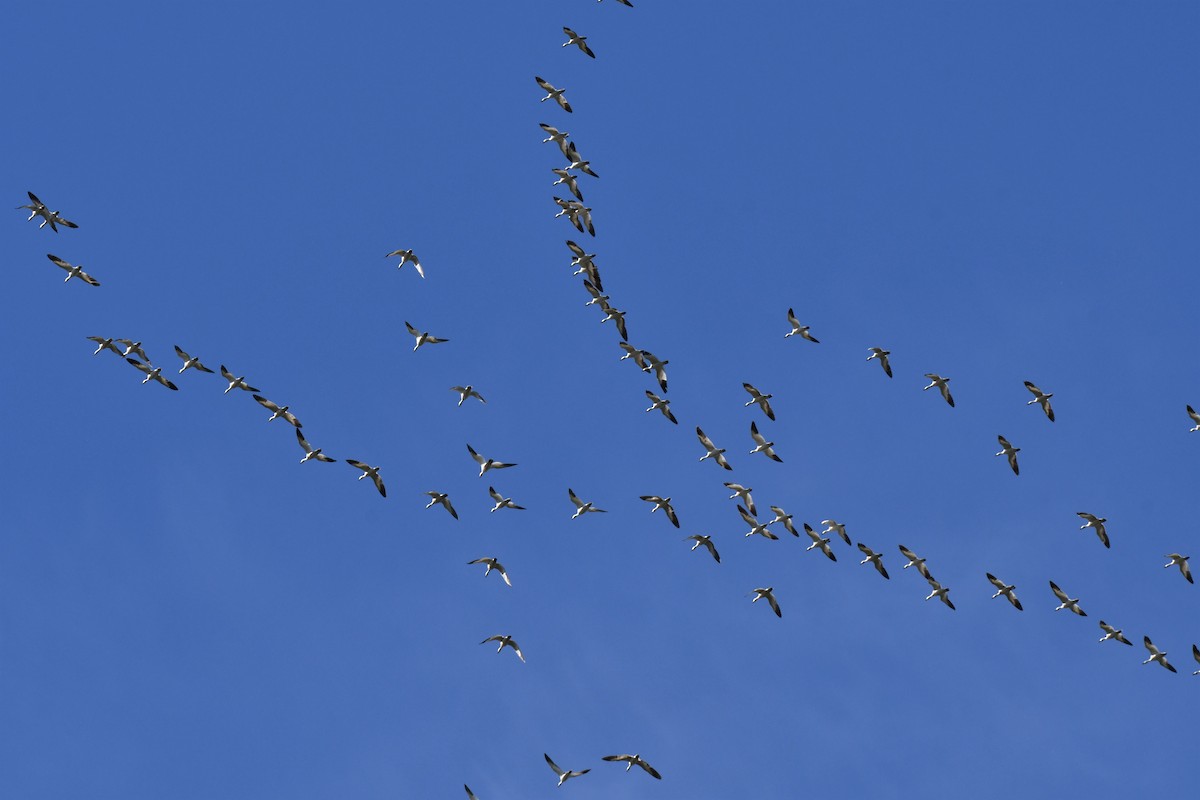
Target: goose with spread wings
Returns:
[486, 464]
[369, 472]
[712, 451]
[630, 760]
[73, 271]
[798, 329]
[52, 218]
[554, 93]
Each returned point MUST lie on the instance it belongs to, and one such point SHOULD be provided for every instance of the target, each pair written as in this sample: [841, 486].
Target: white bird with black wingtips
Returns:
[486, 464]
[943, 386]
[768, 594]
[442, 499]
[761, 445]
[715, 453]
[564, 775]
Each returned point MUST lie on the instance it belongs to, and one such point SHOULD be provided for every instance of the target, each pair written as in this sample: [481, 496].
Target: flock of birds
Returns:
[585, 264]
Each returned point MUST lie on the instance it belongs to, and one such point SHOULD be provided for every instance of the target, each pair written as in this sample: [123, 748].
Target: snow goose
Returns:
[1092, 521]
[874, 558]
[632, 352]
[1156, 655]
[785, 518]
[1195, 418]
[756, 527]
[797, 328]
[762, 400]
[713, 452]
[467, 391]
[743, 493]
[819, 541]
[133, 348]
[663, 503]
[564, 775]
[658, 403]
[1008, 450]
[943, 385]
[105, 344]
[235, 383]
[309, 451]
[1006, 589]
[73, 271]
[574, 38]
[369, 471]
[581, 507]
[422, 337]
[586, 263]
[916, 561]
[882, 355]
[502, 501]
[1113, 633]
[487, 463]
[556, 136]
[768, 595]
[407, 257]
[576, 161]
[618, 317]
[1180, 561]
[761, 445]
[554, 93]
[940, 592]
[505, 641]
[630, 760]
[442, 499]
[189, 362]
[708, 545]
[492, 564]
[658, 367]
[1196, 655]
[51, 218]
[1042, 399]
[833, 526]
[1069, 603]
[152, 373]
[277, 411]
[565, 178]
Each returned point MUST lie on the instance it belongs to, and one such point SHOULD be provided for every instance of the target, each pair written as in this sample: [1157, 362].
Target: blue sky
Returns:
[995, 192]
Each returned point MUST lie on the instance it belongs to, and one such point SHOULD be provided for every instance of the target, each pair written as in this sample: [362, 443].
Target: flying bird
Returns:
[1042, 399]
[786, 519]
[442, 499]
[565, 178]
[1006, 589]
[743, 493]
[1195, 418]
[762, 400]
[505, 641]
[51, 218]
[655, 365]
[235, 383]
[133, 348]
[556, 136]
[73, 271]
[663, 503]
[564, 775]
[630, 760]
[470, 795]
[422, 337]
[1196, 655]
[467, 391]
[634, 353]
[658, 403]
[105, 344]
[882, 355]
[553, 93]
[916, 561]
[819, 541]
[407, 257]
[189, 362]
[502, 501]
[1092, 521]
[713, 452]
[586, 263]
[1069, 603]
[152, 373]
[708, 545]
[768, 595]
[369, 471]
[576, 161]
[833, 526]
[797, 328]
[486, 463]
[1179, 561]
[940, 592]
[1007, 449]
[756, 527]
[574, 38]
[309, 451]
[943, 385]
[618, 317]
[761, 445]
[874, 558]
[1112, 633]
[277, 412]
[492, 564]
[581, 507]
[1157, 655]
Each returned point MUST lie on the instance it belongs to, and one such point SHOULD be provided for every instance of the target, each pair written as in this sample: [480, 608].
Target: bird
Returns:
[663, 503]
[1179, 561]
[618, 317]
[714, 452]
[938, 591]
[1069, 603]
[576, 161]
[943, 386]
[819, 541]
[73, 271]
[1196, 655]
[133, 348]
[1006, 589]
[655, 365]
[577, 40]
[630, 760]
[874, 558]
[587, 266]
[152, 373]
[502, 501]
[563, 775]
[742, 492]
[1094, 522]
[189, 362]
[916, 561]
[761, 445]
[422, 337]
[763, 400]
[768, 595]
[797, 328]
[442, 499]
[555, 94]
[407, 257]
[756, 527]
[492, 564]
[565, 178]
[467, 391]
[597, 297]
[581, 507]
[309, 451]
[51, 218]
[235, 383]
[1007, 449]
[882, 355]
[505, 641]
[634, 353]
[1112, 633]
[708, 545]
[659, 403]
[786, 519]
[556, 136]
[486, 463]
[1042, 399]
[277, 412]
[833, 526]
[579, 214]
[1157, 655]
[368, 470]
[105, 344]
[1195, 418]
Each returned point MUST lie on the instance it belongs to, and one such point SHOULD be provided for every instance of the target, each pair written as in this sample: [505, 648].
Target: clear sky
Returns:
[996, 192]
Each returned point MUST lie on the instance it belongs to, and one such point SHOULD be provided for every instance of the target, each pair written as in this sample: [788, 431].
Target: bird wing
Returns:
[557, 769]
[999, 584]
[574, 498]
[704, 440]
[140, 366]
[756, 436]
[478, 458]
[265, 403]
[1192, 413]
[1059, 592]
[542, 83]
[64, 264]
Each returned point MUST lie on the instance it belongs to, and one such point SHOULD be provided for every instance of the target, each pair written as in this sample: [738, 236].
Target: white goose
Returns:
[1180, 561]
[492, 564]
[663, 503]
[369, 472]
[1069, 603]
[768, 594]
[152, 373]
[554, 93]
[762, 400]
[556, 136]
[797, 328]
[708, 545]
[505, 641]
[408, 257]
[309, 451]
[105, 344]
[1042, 399]
[833, 526]
[277, 411]
[1008, 450]
[1008, 590]
[133, 348]
[51, 218]
[940, 592]
[658, 403]
[943, 386]
[785, 518]
[1092, 521]
[235, 383]
[442, 499]
[467, 391]
[657, 366]
[73, 271]
[502, 501]
[756, 527]
[630, 760]
[189, 362]
[486, 464]
[1195, 418]
[1113, 633]
[1156, 655]
[916, 561]
[574, 38]
[564, 775]
[422, 337]
[882, 355]
[819, 541]
[742, 493]
[761, 445]
[581, 507]
[874, 558]
[712, 451]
